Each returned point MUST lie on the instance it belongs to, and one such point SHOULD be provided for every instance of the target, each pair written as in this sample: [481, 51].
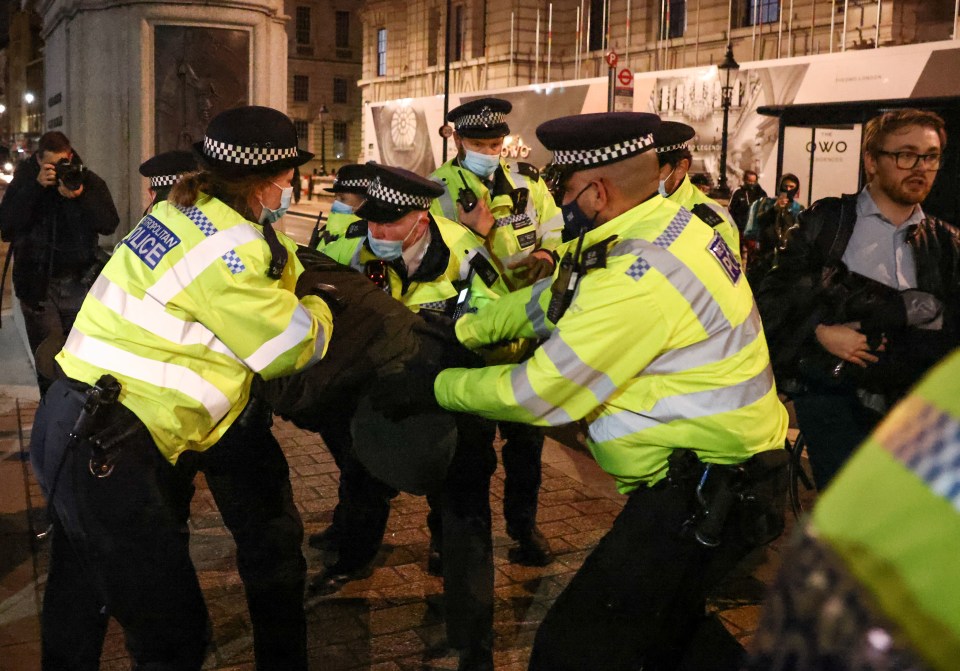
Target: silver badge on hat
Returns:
[486, 117]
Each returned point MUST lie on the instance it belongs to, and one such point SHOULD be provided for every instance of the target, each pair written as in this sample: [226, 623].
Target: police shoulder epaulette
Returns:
[707, 214]
[528, 170]
[595, 256]
[484, 269]
[357, 229]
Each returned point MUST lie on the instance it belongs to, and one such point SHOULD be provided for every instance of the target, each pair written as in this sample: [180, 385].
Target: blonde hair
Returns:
[234, 191]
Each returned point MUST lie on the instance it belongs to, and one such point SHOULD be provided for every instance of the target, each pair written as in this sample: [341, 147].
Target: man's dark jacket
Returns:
[796, 296]
[53, 236]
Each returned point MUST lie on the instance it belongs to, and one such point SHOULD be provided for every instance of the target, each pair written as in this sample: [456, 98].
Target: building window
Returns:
[340, 139]
[479, 29]
[756, 12]
[676, 18]
[433, 35]
[301, 88]
[595, 19]
[303, 25]
[381, 52]
[339, 90]
[303, 134]
[342, 30]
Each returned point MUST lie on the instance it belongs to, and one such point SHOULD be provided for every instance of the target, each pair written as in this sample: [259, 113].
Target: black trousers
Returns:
[364, 505]
[120, 546]
[54, 315]
[638, 600]
[521, 453]
[834, 423]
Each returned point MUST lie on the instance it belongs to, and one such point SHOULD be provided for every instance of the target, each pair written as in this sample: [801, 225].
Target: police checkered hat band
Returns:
[486, 118]
[351, 183]
[163, 180]
[672, 147]
[603, 155]
[240, 155]
[381, 192]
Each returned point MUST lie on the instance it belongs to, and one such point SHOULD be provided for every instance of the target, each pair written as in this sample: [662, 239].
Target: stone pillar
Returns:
[126, 79]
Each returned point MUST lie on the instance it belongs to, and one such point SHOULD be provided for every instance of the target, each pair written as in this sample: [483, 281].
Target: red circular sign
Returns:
[611, 58]
[625, 77]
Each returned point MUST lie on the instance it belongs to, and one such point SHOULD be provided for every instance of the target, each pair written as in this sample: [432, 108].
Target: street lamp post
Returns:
[729, 67]
[321, 114]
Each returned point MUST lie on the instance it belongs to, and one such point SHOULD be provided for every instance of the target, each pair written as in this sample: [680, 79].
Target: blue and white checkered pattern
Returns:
[603, 155]
[436, 305]
[381, 192]
[674, 230]
[240, 155]
[351, 183]
[931, 449]
[485, 118]
[638, 268]
[234, 264]
[163, 180]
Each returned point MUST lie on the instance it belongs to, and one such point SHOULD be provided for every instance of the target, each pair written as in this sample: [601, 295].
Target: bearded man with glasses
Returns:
[867, 294]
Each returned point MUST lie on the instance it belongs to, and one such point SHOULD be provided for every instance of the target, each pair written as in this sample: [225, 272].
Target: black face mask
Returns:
[575, 220]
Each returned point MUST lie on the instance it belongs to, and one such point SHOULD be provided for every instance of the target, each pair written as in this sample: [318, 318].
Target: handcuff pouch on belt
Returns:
[103, 439]
[754, 491]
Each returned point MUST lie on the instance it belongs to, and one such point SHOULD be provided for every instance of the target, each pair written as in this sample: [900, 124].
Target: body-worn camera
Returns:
[69, 173]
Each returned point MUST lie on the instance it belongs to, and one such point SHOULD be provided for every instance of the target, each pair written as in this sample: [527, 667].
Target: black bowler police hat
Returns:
[482, 119]
[393, 192]
[165, 169]
[352, 178]
[590, 140]
[251, 139]
[672, 136]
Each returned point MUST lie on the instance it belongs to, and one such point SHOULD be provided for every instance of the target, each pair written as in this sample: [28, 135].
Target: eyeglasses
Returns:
[908, 160]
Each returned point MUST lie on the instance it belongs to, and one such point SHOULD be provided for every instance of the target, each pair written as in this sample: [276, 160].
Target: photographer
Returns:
[770, 225]
[53, 212]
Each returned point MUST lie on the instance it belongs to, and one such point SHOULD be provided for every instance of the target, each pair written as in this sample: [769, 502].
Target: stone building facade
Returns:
[504, 43]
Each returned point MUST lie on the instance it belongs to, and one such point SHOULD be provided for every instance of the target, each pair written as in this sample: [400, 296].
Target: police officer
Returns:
[436, 268]
[164, 170]
[675, 159]
[874, 573]
[196, 300]
[653, 337]
[349, 189]
[516, 215]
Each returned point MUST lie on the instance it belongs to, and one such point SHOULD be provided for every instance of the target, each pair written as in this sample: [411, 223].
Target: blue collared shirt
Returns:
[878, 249]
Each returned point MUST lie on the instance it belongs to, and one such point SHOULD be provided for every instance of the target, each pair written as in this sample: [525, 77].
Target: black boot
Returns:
[332, 578]
[476, 658]
[327, 540]
[532, 549]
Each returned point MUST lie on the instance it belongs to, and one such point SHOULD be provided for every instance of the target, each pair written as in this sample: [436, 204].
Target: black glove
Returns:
[437, 325]
[312, 282]
[409, 392]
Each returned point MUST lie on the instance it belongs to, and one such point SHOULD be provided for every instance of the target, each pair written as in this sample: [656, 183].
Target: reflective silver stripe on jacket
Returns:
[528, 398]
[569, 364]
[158, 373]
[446, 200]
[198, 259]
[152, 316]
[535, 313]
[683, 406]
[716, 347]
[296, 332]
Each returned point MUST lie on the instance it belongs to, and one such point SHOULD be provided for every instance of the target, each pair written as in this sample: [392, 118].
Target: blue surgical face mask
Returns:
[270, 216]
[575, 219]
[479, 164]
[340, 208]
[388, 250]
[662, 188]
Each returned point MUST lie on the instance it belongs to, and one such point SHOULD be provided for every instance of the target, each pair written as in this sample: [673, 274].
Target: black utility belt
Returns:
[104, 424]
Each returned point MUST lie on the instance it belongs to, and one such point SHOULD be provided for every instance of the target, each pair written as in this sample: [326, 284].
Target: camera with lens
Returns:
[69, 172]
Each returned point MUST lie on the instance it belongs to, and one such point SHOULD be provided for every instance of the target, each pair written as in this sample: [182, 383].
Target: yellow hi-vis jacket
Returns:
[337, 223]
[661, 348]
[514, 234]
[708, 210]
[455, 261]
[184, 314]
